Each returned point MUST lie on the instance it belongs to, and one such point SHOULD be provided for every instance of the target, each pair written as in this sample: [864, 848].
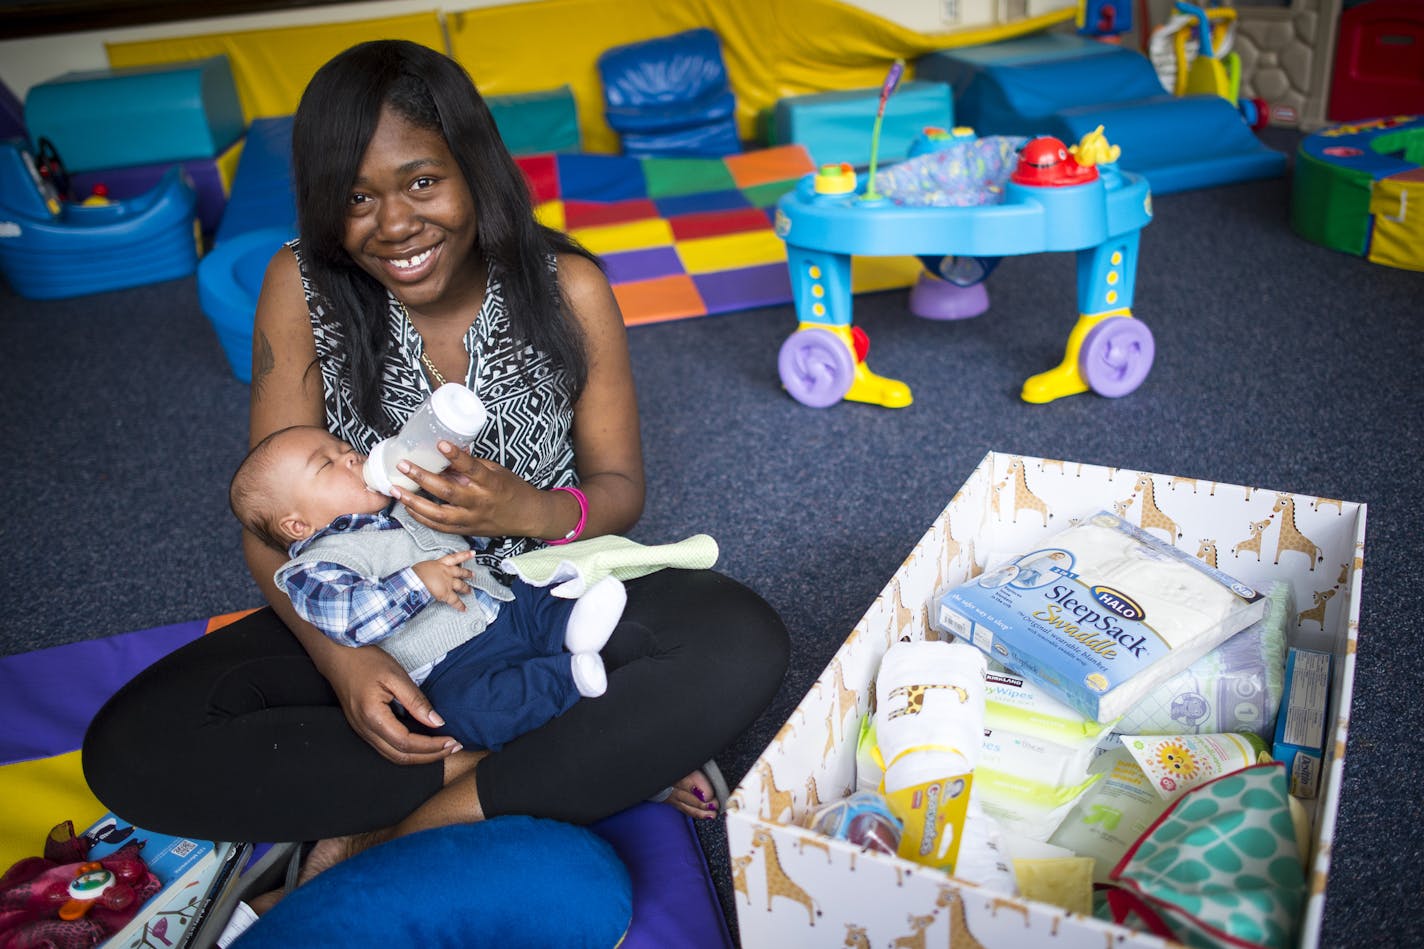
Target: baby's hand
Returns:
[445, 578]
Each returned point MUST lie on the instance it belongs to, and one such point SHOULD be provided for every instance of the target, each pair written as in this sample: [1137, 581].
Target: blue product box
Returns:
[1300, 726]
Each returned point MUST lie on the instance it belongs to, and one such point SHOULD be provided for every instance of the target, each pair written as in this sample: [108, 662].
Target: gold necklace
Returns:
[430, 367]
[425, 360]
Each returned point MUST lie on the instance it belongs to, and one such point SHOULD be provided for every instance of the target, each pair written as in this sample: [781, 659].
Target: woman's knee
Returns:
[717, 618]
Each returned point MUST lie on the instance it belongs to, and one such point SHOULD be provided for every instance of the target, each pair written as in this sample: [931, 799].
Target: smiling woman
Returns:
[420, 260]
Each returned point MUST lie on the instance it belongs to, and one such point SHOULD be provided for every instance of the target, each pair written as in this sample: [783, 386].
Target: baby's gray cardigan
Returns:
[439, 627]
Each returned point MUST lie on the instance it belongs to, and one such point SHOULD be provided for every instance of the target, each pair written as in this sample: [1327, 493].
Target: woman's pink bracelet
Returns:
[577, 532]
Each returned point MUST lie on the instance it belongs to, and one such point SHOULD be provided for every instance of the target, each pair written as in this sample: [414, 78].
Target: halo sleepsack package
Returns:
[1099, 615]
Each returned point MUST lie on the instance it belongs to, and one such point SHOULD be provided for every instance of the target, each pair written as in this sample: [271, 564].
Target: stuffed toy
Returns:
[63, 900]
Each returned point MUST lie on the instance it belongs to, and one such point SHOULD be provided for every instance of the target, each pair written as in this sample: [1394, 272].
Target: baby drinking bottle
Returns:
[452, 413]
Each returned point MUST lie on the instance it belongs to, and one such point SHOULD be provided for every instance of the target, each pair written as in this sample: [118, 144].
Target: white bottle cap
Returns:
[459, 408]
[374, 470]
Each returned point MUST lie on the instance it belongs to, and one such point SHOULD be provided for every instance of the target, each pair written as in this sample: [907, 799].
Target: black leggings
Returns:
[237, 736]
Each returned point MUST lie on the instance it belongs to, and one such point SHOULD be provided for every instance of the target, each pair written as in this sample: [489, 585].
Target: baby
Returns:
[495, 661]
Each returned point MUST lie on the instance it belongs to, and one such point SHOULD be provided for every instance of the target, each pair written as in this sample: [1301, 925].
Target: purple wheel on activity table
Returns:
[816, 367]
[1116, 356]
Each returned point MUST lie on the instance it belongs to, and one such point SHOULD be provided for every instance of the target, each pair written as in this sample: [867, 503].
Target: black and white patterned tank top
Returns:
[530, 418]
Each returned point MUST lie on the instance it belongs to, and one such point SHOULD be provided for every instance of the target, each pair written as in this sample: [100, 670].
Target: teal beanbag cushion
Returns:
[509, 881]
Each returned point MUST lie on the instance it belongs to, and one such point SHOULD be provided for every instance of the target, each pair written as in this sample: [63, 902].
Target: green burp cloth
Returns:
[576, 567]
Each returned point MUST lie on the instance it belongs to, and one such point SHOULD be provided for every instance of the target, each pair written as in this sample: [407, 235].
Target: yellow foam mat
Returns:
[868, 274]
[634, 235]
[772, 50]
[551, 214]
[272, 66]
[36, 795]
[731, 251]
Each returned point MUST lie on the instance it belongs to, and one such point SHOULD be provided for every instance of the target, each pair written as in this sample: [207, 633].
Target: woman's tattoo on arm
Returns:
[263, 360]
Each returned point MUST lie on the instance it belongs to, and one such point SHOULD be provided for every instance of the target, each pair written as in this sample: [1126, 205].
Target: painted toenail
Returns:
[700, 797]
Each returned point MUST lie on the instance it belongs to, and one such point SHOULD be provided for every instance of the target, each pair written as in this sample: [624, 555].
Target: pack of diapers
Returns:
[1099, 615]
[1236, 687]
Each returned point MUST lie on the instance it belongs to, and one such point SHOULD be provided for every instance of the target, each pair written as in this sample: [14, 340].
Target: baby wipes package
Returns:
[1030, 734]
[1099, 615]
[1013, 703]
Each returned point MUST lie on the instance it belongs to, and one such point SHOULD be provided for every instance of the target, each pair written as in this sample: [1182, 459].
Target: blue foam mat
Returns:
[1066, 85]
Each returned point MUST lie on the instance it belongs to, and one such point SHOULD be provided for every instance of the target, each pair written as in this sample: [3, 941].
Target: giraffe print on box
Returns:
[813, 794]
[1290, 537]
[777, 882]
[1252, 542]
[856, 937]
[815, 843]
[1206, 552]
[916, 937]
[959, 935]
[1339, 505]
[1152, 517]
[777, 800]
[1316, 612]
[1024, 499]
[739, 876]
[845, 697]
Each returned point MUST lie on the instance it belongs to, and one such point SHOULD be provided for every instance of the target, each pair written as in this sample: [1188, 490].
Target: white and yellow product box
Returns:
[794, 887]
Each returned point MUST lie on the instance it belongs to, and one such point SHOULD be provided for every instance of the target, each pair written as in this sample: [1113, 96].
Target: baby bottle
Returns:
[453, 413]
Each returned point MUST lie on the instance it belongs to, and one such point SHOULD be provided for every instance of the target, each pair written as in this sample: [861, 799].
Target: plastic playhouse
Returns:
[1049, 199]
[51, 248]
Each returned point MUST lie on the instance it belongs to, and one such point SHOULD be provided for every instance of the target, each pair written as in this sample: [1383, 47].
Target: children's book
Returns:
[194, 873]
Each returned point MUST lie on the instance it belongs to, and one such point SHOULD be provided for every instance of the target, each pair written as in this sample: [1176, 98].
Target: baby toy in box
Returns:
[794, 886]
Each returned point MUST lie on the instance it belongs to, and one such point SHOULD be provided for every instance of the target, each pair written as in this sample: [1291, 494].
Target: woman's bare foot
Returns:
[324, 855]
[458, 801]
[694, 796]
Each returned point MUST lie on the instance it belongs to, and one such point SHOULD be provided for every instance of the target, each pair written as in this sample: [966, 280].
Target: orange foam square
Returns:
[782, 163]
[662, 298]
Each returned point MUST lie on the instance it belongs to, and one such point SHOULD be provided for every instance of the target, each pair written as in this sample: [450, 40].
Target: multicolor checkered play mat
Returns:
[685, 237]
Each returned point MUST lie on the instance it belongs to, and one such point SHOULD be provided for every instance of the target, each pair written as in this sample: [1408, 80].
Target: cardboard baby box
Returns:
[794, 887]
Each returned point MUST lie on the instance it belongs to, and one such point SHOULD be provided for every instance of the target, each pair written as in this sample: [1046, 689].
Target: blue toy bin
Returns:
[50, 252]
[229, 282]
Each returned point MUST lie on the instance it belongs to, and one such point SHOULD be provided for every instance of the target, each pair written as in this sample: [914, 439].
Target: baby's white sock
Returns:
[590, 678]
[594, 615]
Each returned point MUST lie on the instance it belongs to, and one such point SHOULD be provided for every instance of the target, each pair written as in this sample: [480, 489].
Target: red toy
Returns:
[65, 901]
[1045, 163]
